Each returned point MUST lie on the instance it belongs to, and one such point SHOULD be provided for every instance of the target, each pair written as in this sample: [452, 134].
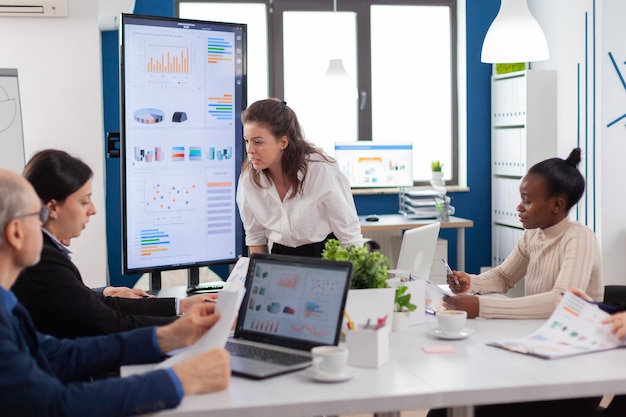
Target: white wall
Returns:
[60, 80]
[613, 144]
[590, 96]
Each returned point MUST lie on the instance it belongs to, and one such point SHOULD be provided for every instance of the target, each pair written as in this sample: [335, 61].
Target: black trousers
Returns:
[311, 250]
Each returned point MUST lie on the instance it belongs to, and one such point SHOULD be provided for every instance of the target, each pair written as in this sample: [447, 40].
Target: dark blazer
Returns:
[61, 305]
[41, 383]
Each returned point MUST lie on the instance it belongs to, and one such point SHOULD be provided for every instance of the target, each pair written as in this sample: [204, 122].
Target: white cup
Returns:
[451, 322]
[329, 360]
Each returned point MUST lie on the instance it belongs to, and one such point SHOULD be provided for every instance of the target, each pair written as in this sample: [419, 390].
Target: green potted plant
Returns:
[369, 297]
[369, 269]
[437, 179]
[402, 302]
[402, 309]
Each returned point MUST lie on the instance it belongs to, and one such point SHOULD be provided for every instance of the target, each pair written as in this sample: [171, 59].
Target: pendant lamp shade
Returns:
[514, 36]
[336, 69]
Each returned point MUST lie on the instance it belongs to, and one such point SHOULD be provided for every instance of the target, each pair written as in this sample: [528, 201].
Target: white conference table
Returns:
[474, 374]
[401, 222]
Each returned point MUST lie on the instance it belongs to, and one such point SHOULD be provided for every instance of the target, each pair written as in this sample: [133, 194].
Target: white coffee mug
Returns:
[451, 322]
[329, 360]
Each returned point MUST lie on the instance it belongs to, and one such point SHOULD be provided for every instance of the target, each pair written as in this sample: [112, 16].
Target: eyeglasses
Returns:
[43, 214]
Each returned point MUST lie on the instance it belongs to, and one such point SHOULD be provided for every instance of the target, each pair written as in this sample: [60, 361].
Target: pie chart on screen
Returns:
[149, 116]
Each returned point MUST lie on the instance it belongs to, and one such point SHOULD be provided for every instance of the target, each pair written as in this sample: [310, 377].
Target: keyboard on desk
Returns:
[265, 354]
[206, 287]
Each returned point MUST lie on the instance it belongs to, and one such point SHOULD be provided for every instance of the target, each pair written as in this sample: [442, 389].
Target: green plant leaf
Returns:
[369, 269]
[436, 166]
[402, 300]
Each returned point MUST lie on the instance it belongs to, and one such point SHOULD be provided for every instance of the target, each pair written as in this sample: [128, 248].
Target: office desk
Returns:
[400, 222]
[474, 374]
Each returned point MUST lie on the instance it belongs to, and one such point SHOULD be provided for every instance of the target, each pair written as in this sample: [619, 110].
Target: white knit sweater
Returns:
[553, 260]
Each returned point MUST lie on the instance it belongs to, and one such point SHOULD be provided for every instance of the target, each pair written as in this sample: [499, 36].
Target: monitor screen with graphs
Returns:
[369, 164]
[183, 89]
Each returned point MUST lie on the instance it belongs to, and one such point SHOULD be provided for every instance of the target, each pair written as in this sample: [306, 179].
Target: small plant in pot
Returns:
[402, 309]
[370, 297]
[403, 300]
[369, 269]
[437, 179]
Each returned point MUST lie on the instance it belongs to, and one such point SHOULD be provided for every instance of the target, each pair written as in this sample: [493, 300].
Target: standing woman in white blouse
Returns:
[290, 192]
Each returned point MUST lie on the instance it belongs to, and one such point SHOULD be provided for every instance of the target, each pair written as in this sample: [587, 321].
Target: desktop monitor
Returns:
[369, 164]
[183, 88]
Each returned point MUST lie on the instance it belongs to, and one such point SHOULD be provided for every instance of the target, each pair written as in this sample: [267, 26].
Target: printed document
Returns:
[574, 328]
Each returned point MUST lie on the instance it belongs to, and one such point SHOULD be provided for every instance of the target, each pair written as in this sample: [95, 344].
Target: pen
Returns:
[349, 323]
[456, 281]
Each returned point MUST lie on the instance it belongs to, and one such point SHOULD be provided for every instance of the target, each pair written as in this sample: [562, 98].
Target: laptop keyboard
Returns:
[266, 355]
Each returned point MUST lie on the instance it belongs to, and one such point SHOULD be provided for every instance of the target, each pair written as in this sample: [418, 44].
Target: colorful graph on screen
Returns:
[153, 241]
[268, 326]
[311, 330]
[313, 309]
[168, 59]
[288, 281]
[323, 287]
[218, 50]
[172, 195]
[221, 108]
[149, 116]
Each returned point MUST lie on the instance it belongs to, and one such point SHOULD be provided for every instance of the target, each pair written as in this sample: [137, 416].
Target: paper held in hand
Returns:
[228, 303]
[573, 329]
[434, 296]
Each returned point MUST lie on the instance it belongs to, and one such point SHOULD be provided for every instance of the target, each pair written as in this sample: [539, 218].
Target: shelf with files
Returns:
[523, 132]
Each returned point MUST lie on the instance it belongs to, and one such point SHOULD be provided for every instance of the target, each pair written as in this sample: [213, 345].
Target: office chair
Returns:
[371, 244]
[615, 295]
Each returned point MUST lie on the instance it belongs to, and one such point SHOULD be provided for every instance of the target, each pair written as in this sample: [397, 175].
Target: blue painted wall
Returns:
[475, 205]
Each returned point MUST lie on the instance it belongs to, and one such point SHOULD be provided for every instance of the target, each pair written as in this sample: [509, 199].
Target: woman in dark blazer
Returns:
[53, 290]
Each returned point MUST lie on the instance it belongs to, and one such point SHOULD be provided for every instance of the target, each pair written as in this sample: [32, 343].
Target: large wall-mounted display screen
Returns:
[183, 88]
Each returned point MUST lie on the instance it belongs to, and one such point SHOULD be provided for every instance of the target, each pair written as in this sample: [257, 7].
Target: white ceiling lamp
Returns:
[336, 74]
[514, 36]
[336, 69]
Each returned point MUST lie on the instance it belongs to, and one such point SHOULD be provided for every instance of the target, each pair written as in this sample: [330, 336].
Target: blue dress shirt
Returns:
[41, 375]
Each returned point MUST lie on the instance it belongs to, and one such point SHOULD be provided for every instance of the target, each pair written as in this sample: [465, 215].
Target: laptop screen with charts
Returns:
[418, 249]
[291, 304]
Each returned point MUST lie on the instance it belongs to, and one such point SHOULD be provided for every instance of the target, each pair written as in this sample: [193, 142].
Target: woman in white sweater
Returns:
[554, 253]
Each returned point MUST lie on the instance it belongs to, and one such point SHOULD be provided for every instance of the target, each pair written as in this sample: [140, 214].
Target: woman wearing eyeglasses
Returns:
[53, 290]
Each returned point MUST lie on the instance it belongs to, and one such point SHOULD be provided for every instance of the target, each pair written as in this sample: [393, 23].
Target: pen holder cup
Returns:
[368, 348]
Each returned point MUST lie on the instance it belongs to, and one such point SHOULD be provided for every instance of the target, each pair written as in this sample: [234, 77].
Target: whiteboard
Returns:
[11, 134]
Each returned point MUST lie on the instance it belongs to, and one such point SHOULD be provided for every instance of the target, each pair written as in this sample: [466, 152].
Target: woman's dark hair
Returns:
[281, 120]
[56, 174]
[562, 177]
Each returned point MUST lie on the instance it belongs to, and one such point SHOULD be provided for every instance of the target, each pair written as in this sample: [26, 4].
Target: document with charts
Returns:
[573, 329]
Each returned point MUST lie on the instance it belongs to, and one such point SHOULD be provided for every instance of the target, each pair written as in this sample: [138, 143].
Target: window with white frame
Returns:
[355, 69]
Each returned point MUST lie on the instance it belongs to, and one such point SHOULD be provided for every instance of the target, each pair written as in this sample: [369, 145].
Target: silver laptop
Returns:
[291, 304]
[418, 249]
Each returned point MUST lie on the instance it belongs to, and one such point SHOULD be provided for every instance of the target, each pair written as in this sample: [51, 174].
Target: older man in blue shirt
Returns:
[41, 375]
